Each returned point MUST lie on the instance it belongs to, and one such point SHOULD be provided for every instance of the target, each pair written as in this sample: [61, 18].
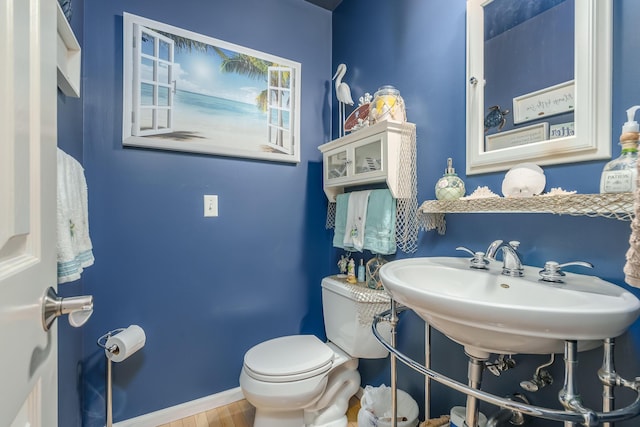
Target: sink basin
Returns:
[488, 312]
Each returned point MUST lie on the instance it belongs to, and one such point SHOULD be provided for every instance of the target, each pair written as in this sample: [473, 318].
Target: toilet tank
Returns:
[348, 314]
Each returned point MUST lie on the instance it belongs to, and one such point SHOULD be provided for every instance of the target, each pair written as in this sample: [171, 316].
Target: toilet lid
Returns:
[292, 358]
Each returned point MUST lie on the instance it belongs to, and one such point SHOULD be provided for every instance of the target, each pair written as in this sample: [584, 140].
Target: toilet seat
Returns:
[289, 358]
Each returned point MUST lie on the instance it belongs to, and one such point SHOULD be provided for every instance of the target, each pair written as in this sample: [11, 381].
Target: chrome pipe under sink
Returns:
[575, 414]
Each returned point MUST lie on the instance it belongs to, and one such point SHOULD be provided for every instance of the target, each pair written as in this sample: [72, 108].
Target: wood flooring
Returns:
[241, 414]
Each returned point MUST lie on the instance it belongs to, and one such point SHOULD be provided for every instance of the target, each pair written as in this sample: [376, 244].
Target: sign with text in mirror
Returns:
[517, 137]
[543, 103]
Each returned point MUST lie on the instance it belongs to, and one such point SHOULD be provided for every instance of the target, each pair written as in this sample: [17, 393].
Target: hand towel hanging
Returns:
[74, 248]
[356, 220]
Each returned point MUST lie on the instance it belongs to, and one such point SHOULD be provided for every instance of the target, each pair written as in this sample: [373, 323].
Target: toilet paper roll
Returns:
[126, 343]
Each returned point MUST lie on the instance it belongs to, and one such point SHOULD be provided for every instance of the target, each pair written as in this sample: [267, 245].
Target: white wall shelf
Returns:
[68, 53]
[611, 205]
[366, 156]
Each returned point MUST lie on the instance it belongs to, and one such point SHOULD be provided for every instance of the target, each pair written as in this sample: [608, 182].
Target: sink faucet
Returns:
[511, 263]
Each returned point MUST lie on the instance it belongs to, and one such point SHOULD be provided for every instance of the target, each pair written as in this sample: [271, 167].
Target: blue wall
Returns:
[70, 339]
[204, 289]
[419, 47]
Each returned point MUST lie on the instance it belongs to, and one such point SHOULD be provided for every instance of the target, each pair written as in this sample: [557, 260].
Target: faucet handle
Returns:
[463, 248]
[479, 260]
[552, 271]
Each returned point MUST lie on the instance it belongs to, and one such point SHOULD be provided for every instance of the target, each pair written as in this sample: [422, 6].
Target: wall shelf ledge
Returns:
[611, 205]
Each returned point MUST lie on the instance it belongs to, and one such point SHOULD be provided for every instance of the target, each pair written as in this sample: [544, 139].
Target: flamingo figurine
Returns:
[343, 94]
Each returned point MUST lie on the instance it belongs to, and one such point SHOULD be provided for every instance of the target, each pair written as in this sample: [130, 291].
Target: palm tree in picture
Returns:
[249, 66]
[239, 63]
[254, 68]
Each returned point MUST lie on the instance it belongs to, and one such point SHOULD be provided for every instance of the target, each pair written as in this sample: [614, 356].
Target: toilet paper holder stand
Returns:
[102, 342]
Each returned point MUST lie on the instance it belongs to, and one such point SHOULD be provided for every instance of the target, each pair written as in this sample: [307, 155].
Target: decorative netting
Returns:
[407, 225]
[632, 266]
[331, 215]
[370, 301]
[407, 221]
[610, 205]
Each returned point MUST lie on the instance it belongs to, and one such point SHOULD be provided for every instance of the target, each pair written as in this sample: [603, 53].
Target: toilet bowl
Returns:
[285, 376]
[298, 380]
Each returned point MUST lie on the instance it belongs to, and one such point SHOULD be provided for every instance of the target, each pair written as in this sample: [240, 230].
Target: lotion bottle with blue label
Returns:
[361, 275]
[619, 175]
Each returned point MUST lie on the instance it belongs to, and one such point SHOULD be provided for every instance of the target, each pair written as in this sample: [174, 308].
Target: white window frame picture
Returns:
[184, 91]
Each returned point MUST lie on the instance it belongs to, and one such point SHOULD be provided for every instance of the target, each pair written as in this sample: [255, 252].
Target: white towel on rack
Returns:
[356, 220]
[75, 251]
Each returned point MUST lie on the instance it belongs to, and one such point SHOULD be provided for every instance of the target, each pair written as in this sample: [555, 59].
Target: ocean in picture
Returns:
[215, 120]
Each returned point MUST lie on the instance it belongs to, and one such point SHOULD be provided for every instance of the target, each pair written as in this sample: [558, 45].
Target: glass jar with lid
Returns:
[387, 105]
[373, 272]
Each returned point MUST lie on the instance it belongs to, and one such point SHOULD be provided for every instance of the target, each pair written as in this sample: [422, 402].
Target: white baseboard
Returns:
[187, 409]
[184, 410]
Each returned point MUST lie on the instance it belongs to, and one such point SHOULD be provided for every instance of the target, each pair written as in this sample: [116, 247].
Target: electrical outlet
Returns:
[210, 205]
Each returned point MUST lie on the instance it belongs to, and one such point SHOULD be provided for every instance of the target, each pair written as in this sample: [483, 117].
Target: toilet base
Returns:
[341, 422]
[330, 410]
[267, 418]
[321, 400]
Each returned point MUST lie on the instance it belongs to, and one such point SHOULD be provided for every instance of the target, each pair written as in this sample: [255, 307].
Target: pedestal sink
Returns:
[488, 312]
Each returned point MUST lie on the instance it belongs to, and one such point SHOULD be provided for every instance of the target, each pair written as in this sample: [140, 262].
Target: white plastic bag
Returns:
[374, 403]
[375, 408]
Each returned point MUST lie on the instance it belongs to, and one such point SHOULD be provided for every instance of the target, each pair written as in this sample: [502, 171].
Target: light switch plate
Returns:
[210, 205]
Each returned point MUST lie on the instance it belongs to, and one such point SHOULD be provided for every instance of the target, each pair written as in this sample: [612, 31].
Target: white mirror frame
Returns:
[592, 116]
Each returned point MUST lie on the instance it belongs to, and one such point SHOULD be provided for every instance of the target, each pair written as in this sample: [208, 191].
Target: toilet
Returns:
[298, 380]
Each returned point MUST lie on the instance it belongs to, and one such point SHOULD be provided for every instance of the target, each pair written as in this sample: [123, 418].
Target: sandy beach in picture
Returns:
[217, 121]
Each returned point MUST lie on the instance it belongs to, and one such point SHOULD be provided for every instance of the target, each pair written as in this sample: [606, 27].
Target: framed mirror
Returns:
[538, 82]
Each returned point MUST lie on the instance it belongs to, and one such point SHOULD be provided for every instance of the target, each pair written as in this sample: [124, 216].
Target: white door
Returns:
[28, 362]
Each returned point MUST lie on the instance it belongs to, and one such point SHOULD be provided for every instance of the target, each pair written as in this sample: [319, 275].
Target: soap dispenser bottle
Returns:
[450, 186]
[619, 175]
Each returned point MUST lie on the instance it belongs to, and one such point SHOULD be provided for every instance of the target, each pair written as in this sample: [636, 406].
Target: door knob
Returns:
[79, 308]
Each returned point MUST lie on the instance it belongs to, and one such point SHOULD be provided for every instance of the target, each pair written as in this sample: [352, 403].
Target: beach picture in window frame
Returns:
[185, 91]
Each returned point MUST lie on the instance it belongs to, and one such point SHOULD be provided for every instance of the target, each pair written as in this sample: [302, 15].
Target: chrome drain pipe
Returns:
[584, 417]
[568, 395]
[475, 380]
